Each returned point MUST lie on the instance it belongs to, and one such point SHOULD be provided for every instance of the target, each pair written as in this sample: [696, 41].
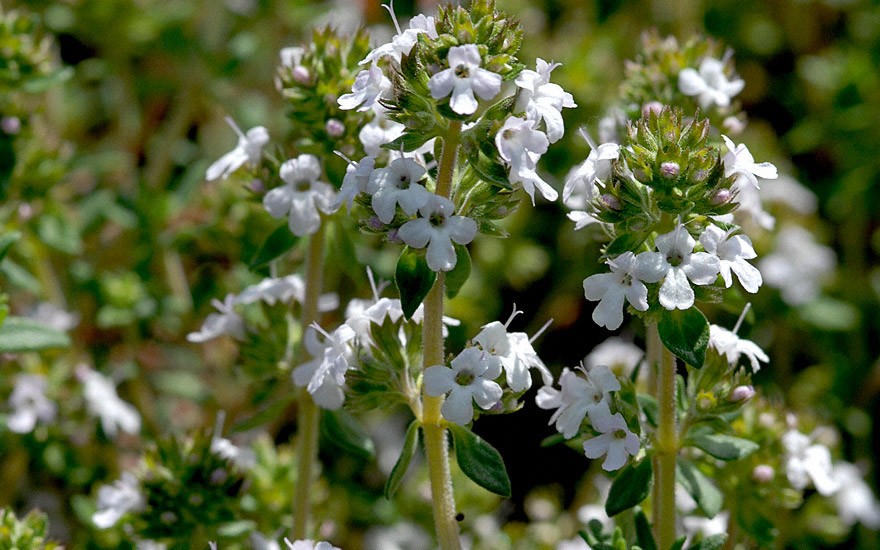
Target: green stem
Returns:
[436, 447]
[309, 414]
[663, 496]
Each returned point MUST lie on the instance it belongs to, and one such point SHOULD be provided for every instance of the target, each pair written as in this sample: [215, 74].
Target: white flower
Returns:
[732, 347]
[242, 457]
[621, 356]
[379, 131]
[790, 192]
[248, 151]
[798, 266]
[47, 313]
[463, 78]
[29, 404]
[575, 543]
[368, 86]
[103, 401]
[616, 441]
[710, 83]
[732, 252]
[855, 501]
[612, 288]
[355, 181]
[400, 535]
[291, 56]
[303, 197]
[520, 145]
[805, 463]
[738, 160]
[259, 541]
[470, 378]
[675, 264]
[398, 184]
[437, 228]
[227, 321]
[579, 183]
[114, 501]
[543, 100]
[324, 375]
[403, 42]
[283, 290]
[579, 397]
[514, 352]
[309, 545]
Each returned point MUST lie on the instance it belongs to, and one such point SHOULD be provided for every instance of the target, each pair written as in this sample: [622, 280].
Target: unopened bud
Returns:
[334, 128]
[742, 393]
[375, 223]
[763, 473]
[670, 170]
[257, 186]
[301, 75]
[720, 196]
[734, 125]
[700, 175]
[393, 237]
[705, 401]
[610, 202]
[25, 211]
[11, 125]
[652, 107]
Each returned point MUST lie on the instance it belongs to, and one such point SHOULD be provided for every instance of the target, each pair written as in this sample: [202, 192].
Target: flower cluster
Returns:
[442, 77]
[590, 397]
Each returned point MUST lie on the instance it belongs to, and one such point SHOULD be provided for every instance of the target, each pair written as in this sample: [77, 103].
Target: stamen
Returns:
[341, 155]
[373, 284]
[541, 330]
[512, 316]
[318, 328]
[742, 316]
[390, 7]
[586, 135]
[235, 127]
[218, 425]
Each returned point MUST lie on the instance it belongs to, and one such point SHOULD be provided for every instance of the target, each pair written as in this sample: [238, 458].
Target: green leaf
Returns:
[644, 536]
[686, 334]
[679, 543]
[6, 242]
[480, 461]
[650, 407]
[456, 278]
[724, 447]
[343, 430]
[414, 280]
[267, 414]
[18, 334]
[630, 487]
[627, 242]
[410, 444]
[704, 492]
[277, 243]
[710, 543]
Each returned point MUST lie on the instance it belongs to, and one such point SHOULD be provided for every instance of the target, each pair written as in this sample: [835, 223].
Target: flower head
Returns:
[103, 401]
[611, 289]
[732, 252]
[806, 462]
[521, 146]
[403, 41]
[579, 397]
[398, 184]
[469, 378]
[248, 151]
[226, 321]
[855, 501]
[543, 100]
[513, 351]
[463, 79]
[379, 131]
[29, 404]
[355, 182]
[368, 86]
[303, 197]
[324, 374]
[114, 501]
[437, 229]
[284, 290]
[709, 83]
[615, 441]
[732, 347]
[621, 356]
[740, 162]
[579, 184]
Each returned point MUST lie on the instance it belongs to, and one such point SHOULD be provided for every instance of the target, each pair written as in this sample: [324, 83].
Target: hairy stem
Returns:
[436, 447]
[663, 495]
[309, 414]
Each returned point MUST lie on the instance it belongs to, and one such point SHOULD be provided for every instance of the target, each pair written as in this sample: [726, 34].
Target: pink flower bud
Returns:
[301, 75]
[610, 202]
[734, 125]
[670, 170]
[720, 196]
[11, 125]
[257, 186]
[742, 393]
[334, 128]
[763, 473]
[652, 107]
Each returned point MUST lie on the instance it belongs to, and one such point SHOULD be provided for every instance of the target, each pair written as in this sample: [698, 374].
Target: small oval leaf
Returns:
[277, 243]
[414, 280]
[724, 447]
[480, 461]
[686, 334]
[630, 487]
[18, 334]
[707, 496]
[343, 430]
[410, 444]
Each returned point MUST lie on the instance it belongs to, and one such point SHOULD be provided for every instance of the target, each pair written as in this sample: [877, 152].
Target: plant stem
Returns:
[309, 414]
[663, 496]
[436, 447]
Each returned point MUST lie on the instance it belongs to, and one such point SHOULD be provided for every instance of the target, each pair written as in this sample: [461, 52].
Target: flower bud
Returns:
[301, 75]
[610, 202]
[257, 186]
[375, 223]
[393, 237]
[763, 473]
[734, 125]
[742, 393]
[721, 196]
[25, 211]
[670, 170]
[334, 128]
[705, 401]
[10, 125]
[652, 107]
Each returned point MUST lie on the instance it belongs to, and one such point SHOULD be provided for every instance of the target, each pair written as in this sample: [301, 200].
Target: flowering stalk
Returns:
[309, 414]
[663, 495]
[433, 351]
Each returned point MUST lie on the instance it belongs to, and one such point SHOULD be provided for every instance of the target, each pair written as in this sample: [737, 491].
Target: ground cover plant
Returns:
[479, 274]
